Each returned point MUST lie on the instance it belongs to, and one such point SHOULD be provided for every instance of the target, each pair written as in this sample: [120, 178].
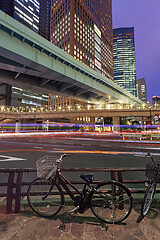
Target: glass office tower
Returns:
[7, 6]
[141, 89]
[44, 19]
[124, 58]
[83, 28]
[28, 13]
[34, 14]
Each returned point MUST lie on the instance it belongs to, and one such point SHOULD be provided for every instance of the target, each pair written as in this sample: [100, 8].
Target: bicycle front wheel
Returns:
[45, 197]
[148, 198]
[111, 202]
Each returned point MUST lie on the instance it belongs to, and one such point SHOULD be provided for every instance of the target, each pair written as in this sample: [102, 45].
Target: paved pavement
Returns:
[28, 226]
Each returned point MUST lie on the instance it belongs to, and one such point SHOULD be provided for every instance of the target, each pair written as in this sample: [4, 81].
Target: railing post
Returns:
[18, 192]
[113, 175]
[9, 193]
[120, 177]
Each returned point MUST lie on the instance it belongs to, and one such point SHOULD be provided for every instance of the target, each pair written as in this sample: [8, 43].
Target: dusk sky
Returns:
[144, 16]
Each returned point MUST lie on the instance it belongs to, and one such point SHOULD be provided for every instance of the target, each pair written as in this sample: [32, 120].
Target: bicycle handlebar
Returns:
[59, 161]
[63, 156]
[149, 154]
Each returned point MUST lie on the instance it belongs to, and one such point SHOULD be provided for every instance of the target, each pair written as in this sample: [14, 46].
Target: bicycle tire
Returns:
[51, 192]
[111, 202]
[148, 198]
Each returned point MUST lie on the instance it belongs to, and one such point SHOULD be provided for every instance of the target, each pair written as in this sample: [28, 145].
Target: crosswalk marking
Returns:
[10, 158]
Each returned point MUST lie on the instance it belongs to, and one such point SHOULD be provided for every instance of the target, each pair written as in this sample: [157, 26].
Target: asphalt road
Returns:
[85, 151]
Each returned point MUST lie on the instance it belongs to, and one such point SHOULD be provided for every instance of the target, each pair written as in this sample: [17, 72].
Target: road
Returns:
[85, 151]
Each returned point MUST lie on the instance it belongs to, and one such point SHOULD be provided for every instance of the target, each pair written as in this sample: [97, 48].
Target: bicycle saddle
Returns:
[88, 178]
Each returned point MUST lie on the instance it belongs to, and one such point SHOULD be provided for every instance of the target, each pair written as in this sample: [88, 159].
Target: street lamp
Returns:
[150, 115]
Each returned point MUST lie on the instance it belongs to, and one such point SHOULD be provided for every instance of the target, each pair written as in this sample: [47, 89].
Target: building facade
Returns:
[34, 14]
[56, 102]
[25, 98]
[156, 101]
[141, 89]
[62, 103]
[7, 6]
[83, 28]
[124, 58]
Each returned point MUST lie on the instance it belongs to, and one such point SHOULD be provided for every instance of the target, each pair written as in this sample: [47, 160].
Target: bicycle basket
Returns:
[153, 171]
[46, 167]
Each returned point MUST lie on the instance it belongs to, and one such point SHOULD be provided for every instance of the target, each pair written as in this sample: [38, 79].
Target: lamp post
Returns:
[150, 115]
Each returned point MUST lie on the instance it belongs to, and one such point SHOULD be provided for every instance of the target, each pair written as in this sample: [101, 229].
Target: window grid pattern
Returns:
[61, 102]
[61, 24]
[124, 59]
[73, 29]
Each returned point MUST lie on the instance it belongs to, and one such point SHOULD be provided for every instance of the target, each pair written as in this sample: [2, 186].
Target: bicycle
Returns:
[153, 173]
[110, 201]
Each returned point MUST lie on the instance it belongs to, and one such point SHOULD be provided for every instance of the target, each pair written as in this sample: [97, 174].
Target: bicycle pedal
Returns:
[68, 217]
[62, 226]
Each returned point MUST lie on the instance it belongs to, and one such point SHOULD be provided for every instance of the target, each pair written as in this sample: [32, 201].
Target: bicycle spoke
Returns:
[111, 202]
[44, 199]
[148, 198]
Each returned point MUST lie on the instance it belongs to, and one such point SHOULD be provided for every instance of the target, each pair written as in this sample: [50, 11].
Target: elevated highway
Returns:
[80, 113]
[27, 60]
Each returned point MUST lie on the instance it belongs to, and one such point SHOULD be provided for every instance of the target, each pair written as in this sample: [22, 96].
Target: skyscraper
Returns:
[35, 14]
[124, 58]
[141, 89]
[7, 6]
[83, 28]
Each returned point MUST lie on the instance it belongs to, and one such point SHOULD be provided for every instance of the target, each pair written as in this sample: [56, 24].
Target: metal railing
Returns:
[14, 185]
[77, 107]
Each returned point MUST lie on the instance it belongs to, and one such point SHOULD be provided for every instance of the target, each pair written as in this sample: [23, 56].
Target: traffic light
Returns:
[156, 117]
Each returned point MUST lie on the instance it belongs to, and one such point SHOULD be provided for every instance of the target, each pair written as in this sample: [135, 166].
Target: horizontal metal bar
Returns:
[27, 170]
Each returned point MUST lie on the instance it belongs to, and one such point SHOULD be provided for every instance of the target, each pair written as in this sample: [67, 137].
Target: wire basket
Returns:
[46, 167]
[153, 171]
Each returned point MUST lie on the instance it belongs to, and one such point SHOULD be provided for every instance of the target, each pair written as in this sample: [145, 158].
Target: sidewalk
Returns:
[28, 226]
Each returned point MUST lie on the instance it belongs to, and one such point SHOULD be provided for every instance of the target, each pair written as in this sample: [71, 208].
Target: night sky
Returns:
[144, 16]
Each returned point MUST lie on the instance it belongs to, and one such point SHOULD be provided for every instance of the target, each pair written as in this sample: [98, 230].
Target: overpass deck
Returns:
[47, 114]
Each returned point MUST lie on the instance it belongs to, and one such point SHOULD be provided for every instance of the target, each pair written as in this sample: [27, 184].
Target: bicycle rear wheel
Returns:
[111, 202]
[45, 197]
[148, 198]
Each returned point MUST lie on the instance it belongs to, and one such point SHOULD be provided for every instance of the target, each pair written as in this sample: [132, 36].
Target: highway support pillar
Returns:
[17, 126]
[116, 124]
[142, 123]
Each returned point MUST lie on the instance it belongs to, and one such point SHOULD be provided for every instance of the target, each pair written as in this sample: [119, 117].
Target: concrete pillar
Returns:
[17, 126]
[116, 124]
[142, 122]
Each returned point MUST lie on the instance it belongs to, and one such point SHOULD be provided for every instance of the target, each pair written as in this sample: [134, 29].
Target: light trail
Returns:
[77, 151]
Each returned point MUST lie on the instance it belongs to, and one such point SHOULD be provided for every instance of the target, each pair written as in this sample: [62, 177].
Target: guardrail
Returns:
[15, 183]
[140, 136]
